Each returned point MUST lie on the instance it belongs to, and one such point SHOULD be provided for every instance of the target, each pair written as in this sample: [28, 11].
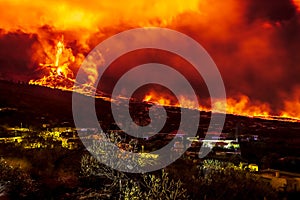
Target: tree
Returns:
[104, 151]
[224, 180]
[14, 181]
[162, 187]
[129, 186]
[152, 186]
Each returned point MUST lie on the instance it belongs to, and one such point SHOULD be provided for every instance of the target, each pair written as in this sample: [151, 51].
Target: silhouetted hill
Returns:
[32, 104]
[35, 105]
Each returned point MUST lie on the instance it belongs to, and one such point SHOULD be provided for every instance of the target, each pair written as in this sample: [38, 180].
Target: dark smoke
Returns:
[256, 48]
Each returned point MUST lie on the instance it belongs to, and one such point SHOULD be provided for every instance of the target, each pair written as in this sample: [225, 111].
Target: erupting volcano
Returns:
[150, 99]
[57, 71]
[59, 75]
[253, 43]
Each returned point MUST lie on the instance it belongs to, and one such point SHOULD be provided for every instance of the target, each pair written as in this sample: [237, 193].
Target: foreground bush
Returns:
[224, 180]
[15, 182]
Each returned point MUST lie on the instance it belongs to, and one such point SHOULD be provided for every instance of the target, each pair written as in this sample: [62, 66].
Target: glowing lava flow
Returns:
[240, 106]
[60, 76]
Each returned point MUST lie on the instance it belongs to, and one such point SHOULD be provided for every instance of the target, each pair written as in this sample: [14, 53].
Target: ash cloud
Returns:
[255, 43]
[277, 10]
[21, 53]
[16, 49]
[256, 50]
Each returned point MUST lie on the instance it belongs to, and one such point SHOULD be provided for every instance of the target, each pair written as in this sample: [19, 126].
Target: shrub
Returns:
[18, 183]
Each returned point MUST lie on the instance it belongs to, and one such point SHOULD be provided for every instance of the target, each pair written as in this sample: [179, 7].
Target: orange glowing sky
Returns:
[255, 43]
[92, 15]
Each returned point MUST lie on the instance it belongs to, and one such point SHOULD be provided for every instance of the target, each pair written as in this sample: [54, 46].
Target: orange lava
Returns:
[237, 106]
